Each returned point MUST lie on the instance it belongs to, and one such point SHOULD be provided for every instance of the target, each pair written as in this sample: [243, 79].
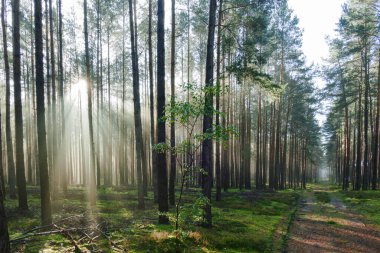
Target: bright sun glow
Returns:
[80, 87]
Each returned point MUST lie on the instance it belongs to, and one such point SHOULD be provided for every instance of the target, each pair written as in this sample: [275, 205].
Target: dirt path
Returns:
[324, 224]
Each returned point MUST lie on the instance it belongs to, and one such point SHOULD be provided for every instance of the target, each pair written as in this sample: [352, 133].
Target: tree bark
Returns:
[151, 98]
[92, 177]
[375, 148]
[19, 137]
[207, 119]
[137, 109]
[46, 218]
[172, 125]
[162, 181]
[8, 130]
[218, 176]
[4, 236]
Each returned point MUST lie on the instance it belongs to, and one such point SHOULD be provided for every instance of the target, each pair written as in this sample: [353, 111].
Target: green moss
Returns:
[366, 203]
[243, 221]
[323, 197]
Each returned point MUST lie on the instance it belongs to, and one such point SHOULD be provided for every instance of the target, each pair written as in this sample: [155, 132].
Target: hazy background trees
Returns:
[125, 62]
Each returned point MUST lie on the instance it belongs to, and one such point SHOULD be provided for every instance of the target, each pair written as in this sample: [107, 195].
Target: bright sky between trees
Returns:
[318, 18]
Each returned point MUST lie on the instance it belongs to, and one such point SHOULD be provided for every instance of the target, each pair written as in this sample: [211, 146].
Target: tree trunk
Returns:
[258, 153]
[218, 175]
[19, 137]
[53, 170]
[172, 124]
[359, 144]
[4, 236]
[63, 174]
[366, 121]
[151, 98]
[46, 218]
[92, 172]
[207, 119]
[137, 110]
[375, 148]
[8, 131]
[162, 181]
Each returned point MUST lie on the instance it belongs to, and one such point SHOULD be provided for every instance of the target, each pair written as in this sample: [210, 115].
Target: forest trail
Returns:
[323, 223]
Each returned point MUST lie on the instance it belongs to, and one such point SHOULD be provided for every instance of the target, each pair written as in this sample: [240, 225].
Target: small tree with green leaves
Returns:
[187, 114]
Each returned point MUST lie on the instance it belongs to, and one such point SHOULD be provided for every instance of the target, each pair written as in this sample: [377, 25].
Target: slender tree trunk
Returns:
[225, 151]
[53, 170]
[137, 109]
[151, 97]
[109, 146]
[98, 83]
[366, 121]
[265, 150]
[284, 151]
[207, 119]
[272, 146]
[8, 131]
[4, 236]
[359, 143]
[63, 174]
[19, 137]
[375, 148]
[162, 181]
[218, 175]
[2, 181]
[46, 218]
[242, 137]
[122, 140]
[258, 153]
[172, 176]
[247, 148]
[278, 148]
[92, 172]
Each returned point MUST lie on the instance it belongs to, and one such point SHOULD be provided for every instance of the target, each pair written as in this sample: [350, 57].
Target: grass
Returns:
[366, 203]
[242, 222]
[322, 197]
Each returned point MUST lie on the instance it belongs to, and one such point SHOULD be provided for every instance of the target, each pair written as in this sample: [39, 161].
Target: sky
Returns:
[318, 19]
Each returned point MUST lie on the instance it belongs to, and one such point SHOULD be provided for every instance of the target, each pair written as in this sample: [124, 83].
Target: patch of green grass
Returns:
[366, 203]
[323, 197]
[244, 221]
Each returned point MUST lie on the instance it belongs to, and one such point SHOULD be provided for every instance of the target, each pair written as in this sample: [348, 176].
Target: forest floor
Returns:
[330, 220]
[244, 221]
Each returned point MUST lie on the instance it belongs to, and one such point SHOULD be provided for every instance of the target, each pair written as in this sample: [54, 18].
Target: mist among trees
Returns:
[186, 126]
